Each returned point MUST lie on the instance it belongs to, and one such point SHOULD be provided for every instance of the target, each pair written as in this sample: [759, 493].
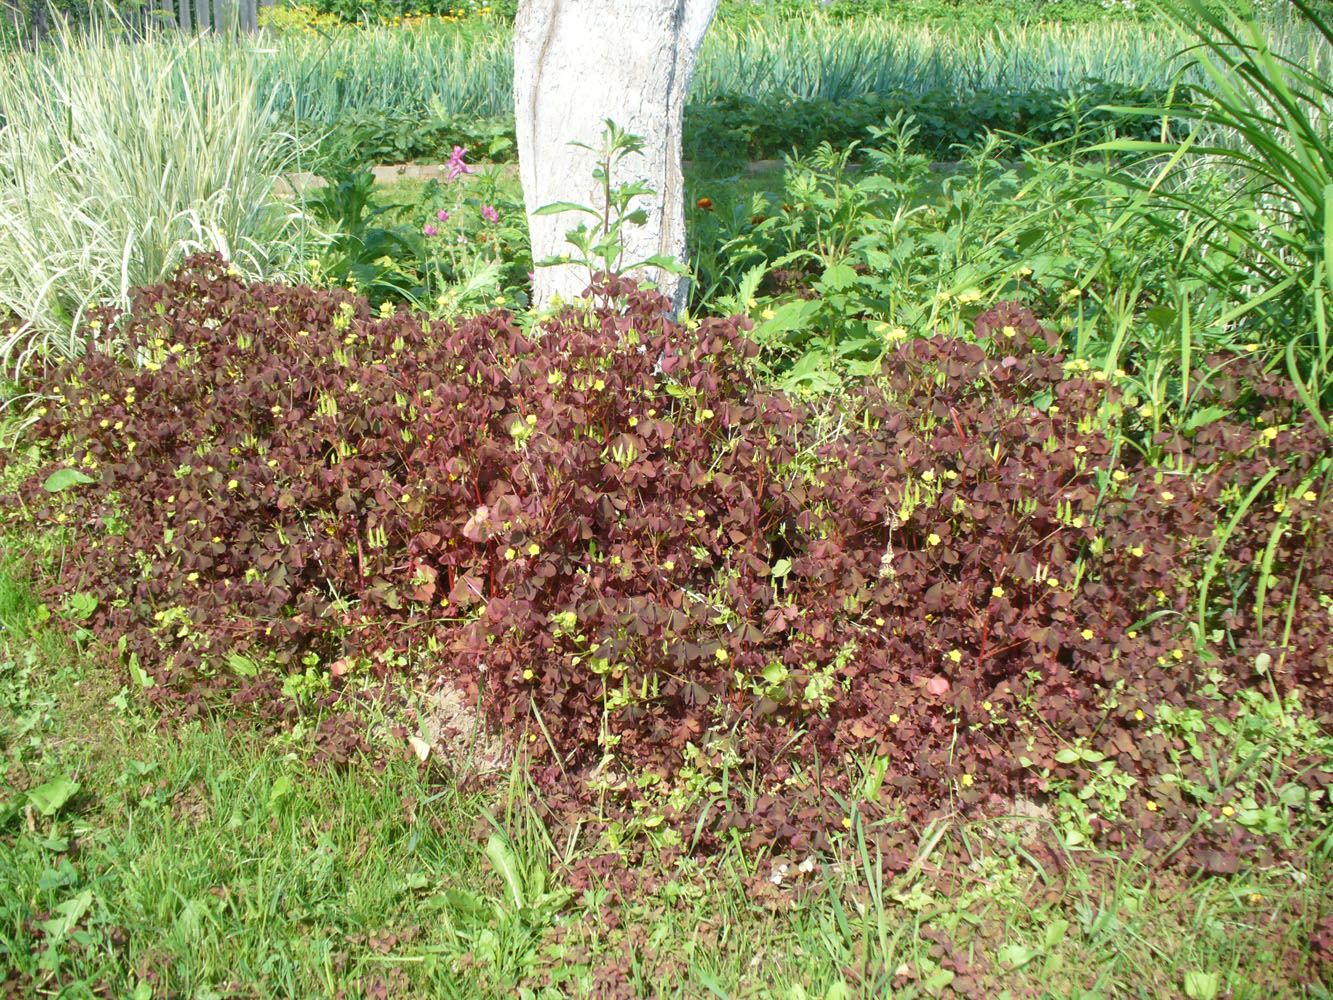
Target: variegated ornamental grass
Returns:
[118, 160]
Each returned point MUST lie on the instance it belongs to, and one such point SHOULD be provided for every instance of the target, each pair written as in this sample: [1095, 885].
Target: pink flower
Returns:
[429, 230]
[456, 166]
[489, 213]
[442, 215]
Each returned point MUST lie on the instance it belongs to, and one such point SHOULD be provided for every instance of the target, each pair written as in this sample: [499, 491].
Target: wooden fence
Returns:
[32, 21]
[209, 15]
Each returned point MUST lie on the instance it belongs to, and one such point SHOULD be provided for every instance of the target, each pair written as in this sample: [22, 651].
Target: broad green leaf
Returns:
[1202, 418]
[242, 665]
[1202, 985]
[556, 207]
[787, 317]
[938, 980]
[506, 866]
[48, 799]
[70, 912]
[138, 674]
[63, 479]
[282, 788]
[837, 277]
[1015, 956]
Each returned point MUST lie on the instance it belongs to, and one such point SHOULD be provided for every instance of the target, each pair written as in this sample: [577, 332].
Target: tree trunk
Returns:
[578, 63]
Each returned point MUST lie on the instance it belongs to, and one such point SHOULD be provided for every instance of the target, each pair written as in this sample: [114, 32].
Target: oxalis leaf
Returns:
[63, 479]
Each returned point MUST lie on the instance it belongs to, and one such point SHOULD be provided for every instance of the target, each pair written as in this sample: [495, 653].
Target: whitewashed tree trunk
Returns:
[578, 63]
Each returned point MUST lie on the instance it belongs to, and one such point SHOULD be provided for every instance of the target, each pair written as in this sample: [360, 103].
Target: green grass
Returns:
[211, 859]
[467, 67]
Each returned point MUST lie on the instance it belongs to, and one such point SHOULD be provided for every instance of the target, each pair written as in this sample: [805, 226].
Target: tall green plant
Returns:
[117, 160]
[1265, 117]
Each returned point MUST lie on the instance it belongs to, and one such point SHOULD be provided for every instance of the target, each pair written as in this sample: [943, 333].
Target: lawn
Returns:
[212, 859]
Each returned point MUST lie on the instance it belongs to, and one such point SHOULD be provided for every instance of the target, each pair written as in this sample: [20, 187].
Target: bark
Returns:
[578, 63]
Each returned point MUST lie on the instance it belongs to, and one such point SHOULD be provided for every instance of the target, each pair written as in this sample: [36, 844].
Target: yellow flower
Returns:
[510, 553]
[955, 656]
[1120, 475]
[894, 719]
[966, 781]
[232, 484]
[1009, 331]
[767, 314]
[669, 565]
[1228, 812]
[1151, 805]
[997, 592]
[1138, 715]
[933, 539]
[528, 674]
[1167, 496]
[928, 476]
[1309, 496]
[1087, 633]
[533, 549]
[1279, 507]
[599, 385]
[721, 655]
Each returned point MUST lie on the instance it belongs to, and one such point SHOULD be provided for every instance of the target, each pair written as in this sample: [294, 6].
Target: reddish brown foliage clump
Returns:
[613, 527]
